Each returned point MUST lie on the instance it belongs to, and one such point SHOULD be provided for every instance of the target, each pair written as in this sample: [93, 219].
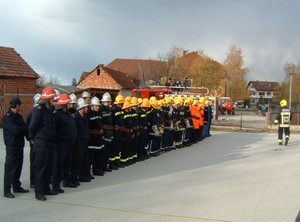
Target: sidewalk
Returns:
[247, 123]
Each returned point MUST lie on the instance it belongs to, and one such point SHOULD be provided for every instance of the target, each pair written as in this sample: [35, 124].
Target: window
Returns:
[261, 93]
[153, 94]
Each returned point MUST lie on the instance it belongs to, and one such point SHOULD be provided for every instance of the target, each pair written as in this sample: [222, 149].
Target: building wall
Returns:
[24, 88]
[103, 80]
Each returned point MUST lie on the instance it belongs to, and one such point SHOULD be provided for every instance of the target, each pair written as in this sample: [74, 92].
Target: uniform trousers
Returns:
[13, 168]
[42, 165]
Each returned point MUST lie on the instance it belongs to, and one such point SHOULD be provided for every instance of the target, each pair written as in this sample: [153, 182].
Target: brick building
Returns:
[102, 79]
[17, 79]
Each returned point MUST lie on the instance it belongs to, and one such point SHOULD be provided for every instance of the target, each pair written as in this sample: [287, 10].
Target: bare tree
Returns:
[44, 79]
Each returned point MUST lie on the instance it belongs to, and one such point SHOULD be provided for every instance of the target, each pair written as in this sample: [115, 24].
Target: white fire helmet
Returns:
[57, 94]
[73, 98]
[106, 97]
[36, 99]
[95, 101]
[85, 94]
[81, 103]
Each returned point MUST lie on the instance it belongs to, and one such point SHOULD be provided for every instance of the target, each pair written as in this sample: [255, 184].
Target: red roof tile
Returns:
[264, 85]
[121, 80]
[134, 66]
[125, 81]
[13, 65]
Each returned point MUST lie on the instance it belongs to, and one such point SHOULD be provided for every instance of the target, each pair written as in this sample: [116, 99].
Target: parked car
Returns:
[239, 104]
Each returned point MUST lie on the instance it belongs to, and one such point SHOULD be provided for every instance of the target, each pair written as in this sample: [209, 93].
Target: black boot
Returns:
[112, 165]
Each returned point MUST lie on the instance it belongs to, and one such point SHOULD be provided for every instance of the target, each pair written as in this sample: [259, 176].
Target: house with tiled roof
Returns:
[17, 79]
[136, 67]
[262, 90]
[103, 79]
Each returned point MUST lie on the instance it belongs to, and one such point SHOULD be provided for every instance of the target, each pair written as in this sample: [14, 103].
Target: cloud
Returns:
[64, 38]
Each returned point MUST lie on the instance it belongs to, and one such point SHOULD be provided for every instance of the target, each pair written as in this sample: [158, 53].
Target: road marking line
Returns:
[130, 211]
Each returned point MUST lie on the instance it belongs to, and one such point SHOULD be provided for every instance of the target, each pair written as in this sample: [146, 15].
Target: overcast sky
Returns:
[63, 38]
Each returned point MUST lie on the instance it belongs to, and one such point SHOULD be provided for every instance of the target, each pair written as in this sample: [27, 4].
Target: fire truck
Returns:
[148, 93]
[161, 91]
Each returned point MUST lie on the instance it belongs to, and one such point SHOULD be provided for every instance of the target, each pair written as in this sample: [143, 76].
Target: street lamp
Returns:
[291, 82]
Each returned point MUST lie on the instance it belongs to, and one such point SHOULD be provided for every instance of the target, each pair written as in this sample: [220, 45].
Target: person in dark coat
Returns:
[36, 98]
[118, 137]
[108, 132]
[43, 135]
[96, 149]
[155, 135]
[14, 131]
[66, 134]
[80, 157]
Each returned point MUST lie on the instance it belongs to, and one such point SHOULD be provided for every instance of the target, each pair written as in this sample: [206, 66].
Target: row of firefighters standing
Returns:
[69, 138]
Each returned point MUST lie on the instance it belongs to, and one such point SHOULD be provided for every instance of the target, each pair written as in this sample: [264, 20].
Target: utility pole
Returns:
[291, 83]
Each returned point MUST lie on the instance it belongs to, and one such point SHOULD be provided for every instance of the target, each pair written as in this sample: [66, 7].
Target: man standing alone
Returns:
[14, 131]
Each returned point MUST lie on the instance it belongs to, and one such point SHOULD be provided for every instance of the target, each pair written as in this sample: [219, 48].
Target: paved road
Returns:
[231, 176]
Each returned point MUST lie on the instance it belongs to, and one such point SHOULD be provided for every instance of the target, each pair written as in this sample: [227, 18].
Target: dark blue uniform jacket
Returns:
[42, 125]
[14, 129]
[65, 126]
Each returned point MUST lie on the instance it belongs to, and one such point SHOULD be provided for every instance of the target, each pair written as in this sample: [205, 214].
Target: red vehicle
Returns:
[148, 93]
[226, 106]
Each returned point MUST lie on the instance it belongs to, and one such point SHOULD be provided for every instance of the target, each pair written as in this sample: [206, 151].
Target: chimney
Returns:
[184, 52]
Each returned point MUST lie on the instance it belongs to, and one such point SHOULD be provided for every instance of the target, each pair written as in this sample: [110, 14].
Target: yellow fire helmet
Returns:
[283, 103]
[159, 104]
[145, 103]
[152, 98]
[127, 98]
[202, 99]
[146, 99]
[195, 102]
[154, 104]
[201, 105]
[177, 102]
[140, 100]
[134, 101]
[187, 102]
[168, 100]
[119, 99]
[126, 104]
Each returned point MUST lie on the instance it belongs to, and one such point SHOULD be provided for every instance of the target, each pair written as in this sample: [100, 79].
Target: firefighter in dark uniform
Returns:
[36, 98]
[283, 118]
[108, 132]
[166, 115]
[14, 131]
[96, 150]
[135, 123]
[128, 135]
[188, 122]
[143, 138]
[118, 121]
[42, 133]
[154, 133]
[80, 157]
[67, 177]
[177, 122]
[66, 134]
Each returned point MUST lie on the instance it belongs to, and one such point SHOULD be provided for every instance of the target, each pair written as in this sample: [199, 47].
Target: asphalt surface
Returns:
[230, 176]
